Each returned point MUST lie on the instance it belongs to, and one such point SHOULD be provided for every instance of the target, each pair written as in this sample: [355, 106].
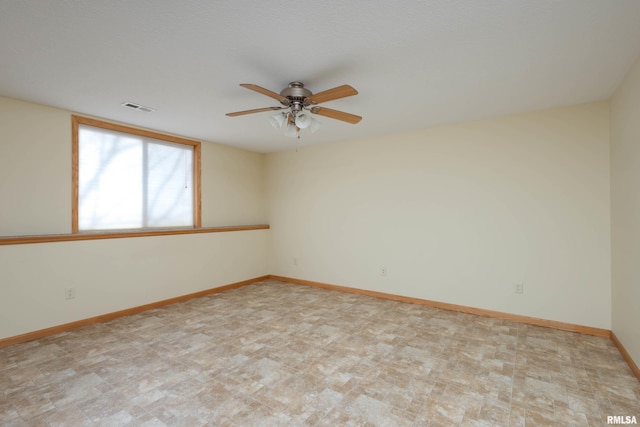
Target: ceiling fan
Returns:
[297, 102]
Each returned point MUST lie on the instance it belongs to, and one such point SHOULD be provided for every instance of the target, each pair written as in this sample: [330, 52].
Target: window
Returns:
[126, 178]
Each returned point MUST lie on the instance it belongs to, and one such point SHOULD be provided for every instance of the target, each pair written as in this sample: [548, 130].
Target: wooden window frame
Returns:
[76, 121]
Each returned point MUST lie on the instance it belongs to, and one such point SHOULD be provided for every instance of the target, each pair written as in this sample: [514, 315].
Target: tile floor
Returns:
[274, 354]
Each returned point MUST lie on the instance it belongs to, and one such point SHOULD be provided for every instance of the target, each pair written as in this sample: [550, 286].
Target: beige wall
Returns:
[457, 214]
[233, 190]
[625, 212]
[110, 275]
[35, 169]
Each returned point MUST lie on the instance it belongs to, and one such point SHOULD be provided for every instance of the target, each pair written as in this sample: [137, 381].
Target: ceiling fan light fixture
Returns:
[303, 120]
[314, 125]
[278, 120]
[291, 130]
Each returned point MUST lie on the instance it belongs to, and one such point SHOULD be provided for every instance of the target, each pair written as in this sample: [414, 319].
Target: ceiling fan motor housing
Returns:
[296, 94]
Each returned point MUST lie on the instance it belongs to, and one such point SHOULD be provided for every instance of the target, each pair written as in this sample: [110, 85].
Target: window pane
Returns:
[169, 185]
[110, 180]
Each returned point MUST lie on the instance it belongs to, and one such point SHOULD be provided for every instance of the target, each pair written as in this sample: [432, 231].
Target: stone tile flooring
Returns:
[273, 354]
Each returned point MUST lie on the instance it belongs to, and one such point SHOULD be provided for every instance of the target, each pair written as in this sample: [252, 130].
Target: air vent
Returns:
[138, 107]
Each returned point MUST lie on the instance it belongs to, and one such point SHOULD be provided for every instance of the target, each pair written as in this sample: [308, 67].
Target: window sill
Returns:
[48, 238]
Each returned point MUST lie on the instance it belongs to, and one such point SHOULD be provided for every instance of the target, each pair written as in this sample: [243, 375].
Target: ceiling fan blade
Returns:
[264, 91]
[257, 110]
[335, 114]
[331, 94]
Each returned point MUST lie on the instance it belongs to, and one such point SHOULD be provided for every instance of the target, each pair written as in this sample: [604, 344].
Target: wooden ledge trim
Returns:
[29, 336]
[626, 356]
[49, 238]
[454, 307]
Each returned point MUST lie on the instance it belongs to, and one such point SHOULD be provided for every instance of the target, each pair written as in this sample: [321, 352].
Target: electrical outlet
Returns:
[383, 271]
[295, 261]
[519, 288]
[69, 293]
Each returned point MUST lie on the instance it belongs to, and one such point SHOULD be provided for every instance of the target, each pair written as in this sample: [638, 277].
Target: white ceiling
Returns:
[416, 63]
